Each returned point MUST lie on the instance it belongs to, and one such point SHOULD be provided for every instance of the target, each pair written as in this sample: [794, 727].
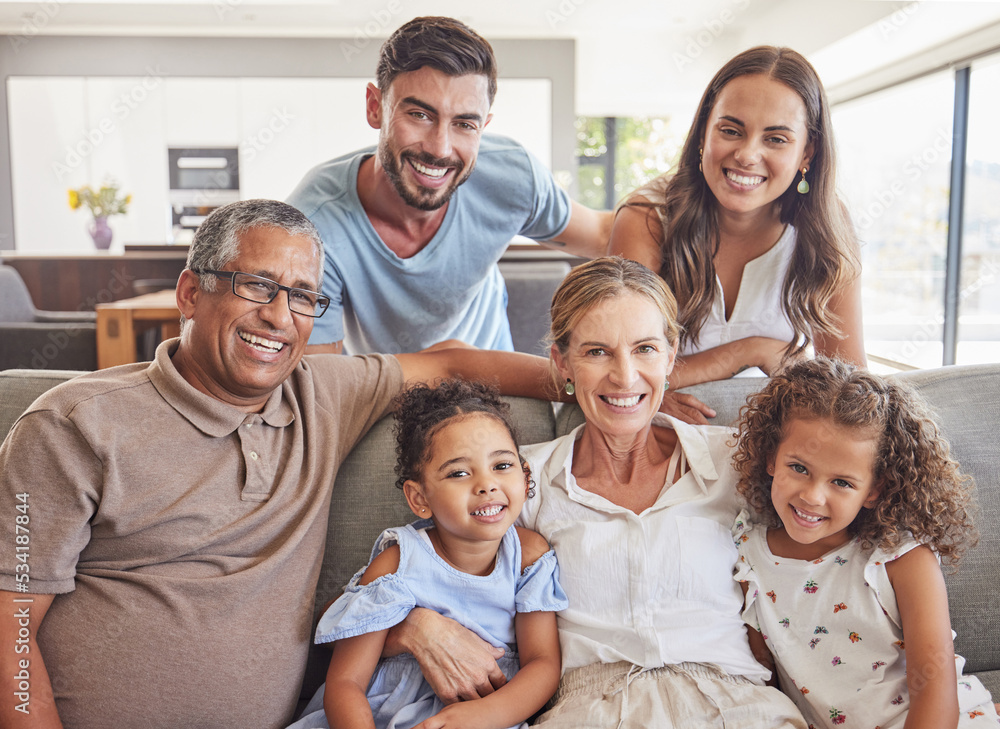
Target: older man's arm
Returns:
[457, 663]
[24, 680]
[513, 373]
[329, 348]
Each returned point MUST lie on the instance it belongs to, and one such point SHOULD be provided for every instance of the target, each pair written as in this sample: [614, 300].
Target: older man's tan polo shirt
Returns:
[183, 536]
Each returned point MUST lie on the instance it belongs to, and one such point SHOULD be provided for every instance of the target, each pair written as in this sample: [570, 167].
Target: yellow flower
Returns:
[103, 202]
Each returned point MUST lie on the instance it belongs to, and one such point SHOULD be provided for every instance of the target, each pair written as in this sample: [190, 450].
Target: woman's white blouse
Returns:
[758, 311]
[654, 588]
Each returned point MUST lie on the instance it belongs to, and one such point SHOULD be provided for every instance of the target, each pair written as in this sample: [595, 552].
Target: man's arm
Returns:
[457, 663]
[586, 234]
[24, 680]
[526, 375]
[514, 373]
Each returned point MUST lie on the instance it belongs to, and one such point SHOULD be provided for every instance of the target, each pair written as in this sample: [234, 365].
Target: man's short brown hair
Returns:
[441, 43]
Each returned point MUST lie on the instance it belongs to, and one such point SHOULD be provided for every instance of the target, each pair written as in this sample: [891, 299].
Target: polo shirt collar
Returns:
[211, 416]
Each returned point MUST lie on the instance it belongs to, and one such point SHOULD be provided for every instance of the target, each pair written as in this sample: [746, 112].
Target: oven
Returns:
[201, 180]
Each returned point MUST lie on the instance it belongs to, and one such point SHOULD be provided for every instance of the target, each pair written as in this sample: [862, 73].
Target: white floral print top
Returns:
[833, 628]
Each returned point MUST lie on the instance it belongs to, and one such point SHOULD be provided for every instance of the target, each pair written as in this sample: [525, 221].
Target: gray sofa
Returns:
[365, 501]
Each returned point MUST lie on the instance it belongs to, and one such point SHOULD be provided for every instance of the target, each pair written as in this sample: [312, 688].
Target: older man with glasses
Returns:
[179, 507]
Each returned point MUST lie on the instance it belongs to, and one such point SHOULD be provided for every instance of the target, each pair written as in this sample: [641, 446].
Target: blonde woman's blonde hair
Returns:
[599, 280]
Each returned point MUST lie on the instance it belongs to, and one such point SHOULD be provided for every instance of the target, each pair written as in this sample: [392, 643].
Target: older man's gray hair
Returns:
[217, 241]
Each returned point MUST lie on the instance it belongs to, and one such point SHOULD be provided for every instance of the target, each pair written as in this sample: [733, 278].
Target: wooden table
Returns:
[119, 322]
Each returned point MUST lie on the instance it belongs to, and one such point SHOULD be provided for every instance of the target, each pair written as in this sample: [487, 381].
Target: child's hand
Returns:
[463, 715]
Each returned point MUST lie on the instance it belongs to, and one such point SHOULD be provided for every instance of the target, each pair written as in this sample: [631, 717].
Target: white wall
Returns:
[69, 132]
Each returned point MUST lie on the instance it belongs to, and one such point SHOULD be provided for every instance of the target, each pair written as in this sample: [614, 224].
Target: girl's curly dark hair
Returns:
[922, 489]
[421, 410]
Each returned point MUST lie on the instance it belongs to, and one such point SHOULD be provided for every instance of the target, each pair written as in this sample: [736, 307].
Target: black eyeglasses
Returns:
[262, 290]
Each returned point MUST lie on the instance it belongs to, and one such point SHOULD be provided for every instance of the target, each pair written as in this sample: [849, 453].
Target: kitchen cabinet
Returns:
[79, 282]
[68, 132]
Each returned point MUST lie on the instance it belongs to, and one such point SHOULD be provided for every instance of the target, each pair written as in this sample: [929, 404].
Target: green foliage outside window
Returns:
[641, 147]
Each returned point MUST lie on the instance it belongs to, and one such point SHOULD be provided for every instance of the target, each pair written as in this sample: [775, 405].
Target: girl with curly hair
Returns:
[459, 468]
[856, 499]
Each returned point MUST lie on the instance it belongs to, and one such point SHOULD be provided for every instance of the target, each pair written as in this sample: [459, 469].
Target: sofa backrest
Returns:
[365, 499]
[966, 400]
[530, 286]
[19, 388]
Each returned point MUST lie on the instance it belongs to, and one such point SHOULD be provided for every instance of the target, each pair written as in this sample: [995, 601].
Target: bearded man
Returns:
[413, 229]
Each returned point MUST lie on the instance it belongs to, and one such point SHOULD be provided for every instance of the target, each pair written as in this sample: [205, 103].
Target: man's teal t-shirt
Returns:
[452, 289]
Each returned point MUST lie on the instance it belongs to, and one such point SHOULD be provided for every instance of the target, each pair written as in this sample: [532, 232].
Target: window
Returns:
[979, 287]
[894, 156]
[617, 155]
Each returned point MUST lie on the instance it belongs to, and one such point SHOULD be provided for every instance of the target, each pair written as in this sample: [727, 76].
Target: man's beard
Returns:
[423, 198]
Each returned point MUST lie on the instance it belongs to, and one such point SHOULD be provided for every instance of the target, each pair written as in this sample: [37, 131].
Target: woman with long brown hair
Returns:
[748, 231]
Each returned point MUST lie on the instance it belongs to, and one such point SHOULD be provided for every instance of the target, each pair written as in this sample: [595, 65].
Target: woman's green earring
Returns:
[803, 186]
[569, 387]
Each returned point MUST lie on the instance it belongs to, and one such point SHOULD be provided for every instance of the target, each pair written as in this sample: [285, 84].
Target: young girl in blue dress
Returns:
[459, 468]
[856, 500]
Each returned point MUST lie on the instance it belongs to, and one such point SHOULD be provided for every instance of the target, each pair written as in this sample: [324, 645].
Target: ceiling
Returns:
[507, 18]
[633, 57]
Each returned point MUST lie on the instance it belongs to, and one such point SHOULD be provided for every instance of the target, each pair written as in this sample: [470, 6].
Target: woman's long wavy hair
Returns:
[824, 256]
[921, 489]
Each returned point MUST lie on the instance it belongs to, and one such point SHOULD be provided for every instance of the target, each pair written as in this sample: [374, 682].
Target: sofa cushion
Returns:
[966, 400]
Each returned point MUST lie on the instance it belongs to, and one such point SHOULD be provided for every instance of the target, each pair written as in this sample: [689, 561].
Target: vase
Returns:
[101, 232]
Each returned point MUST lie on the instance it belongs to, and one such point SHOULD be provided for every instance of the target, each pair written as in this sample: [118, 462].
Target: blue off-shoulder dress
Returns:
[399, 696]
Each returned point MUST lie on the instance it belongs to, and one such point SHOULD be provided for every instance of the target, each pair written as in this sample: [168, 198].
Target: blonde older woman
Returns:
[639, 506]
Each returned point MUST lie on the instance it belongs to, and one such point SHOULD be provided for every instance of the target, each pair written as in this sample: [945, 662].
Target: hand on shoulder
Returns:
[686, 407]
